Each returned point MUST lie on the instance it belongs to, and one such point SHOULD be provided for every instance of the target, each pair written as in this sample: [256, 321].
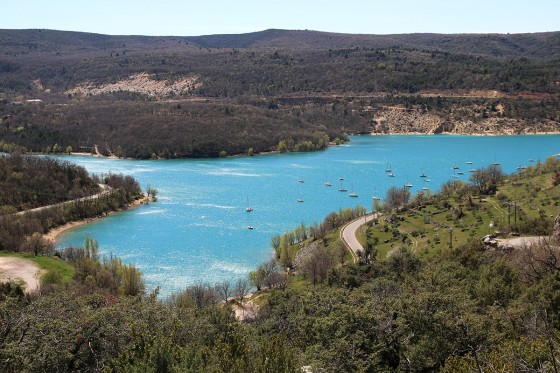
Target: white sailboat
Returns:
[353, 194]
[375, 197]
[248, 208]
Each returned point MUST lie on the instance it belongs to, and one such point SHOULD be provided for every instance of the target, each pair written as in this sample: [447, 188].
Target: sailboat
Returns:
[327, 183]
[388, 169]
[407, 185]
[248, 208]
[423, 175]
[353, 194]
[342, 189]
[375, 197]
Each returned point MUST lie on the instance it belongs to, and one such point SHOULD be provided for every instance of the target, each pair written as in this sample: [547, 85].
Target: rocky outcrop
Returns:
[142, 83]
[463, 120]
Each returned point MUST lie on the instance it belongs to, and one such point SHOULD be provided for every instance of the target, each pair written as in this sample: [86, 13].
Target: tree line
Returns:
[29, 182]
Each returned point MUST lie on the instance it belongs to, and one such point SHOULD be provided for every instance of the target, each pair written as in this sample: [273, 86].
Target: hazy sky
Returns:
[202, 17]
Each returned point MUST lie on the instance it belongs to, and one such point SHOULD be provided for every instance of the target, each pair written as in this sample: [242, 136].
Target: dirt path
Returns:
[20, 269]
[106, 189]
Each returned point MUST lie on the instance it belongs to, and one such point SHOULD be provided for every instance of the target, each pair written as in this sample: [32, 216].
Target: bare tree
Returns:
[224, 289]
[397, 197]
[538, 259]
[241, 289]
[317, 264]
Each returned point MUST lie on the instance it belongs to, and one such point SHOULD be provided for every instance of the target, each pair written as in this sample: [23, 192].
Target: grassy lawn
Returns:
[298, 282]
[49, 264]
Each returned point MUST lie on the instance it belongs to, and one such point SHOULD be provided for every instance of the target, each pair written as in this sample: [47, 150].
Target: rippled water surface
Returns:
[197, 231]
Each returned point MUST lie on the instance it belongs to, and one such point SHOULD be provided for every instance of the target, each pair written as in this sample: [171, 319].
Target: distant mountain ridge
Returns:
[529, 45]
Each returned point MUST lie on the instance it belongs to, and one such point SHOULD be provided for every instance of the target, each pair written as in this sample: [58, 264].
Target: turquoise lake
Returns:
[197, 231]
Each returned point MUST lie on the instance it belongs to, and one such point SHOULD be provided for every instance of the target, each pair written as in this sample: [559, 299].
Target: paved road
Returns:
[348, 233]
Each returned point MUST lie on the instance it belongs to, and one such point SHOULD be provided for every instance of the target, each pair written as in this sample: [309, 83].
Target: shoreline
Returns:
[53, 234]
[330, 144]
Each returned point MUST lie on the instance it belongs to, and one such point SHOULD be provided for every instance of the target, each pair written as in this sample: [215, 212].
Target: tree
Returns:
[224, 290]
[256, 279]
[131, 281]
[316, 264]
[91, 248]
[241, 289]
[151, 192]
[486, 180]
[397, 197]
[38, 245]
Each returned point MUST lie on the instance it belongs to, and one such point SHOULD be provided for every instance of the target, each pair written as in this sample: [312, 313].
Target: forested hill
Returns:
[529, 45]
[206, 96]
[536, 45]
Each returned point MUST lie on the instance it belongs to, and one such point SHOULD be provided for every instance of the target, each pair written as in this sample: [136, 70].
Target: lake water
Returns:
[197, 231]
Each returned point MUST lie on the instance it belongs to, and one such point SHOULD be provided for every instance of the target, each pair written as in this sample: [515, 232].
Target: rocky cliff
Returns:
[464, 120]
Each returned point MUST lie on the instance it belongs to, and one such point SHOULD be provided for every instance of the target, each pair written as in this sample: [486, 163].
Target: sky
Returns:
[205, 17]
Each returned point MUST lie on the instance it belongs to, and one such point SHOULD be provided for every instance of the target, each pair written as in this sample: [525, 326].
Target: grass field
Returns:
[455, 218]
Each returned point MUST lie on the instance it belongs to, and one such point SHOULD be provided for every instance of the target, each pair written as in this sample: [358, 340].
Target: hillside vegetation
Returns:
[428, 307]
[203, 96]
[41, 193]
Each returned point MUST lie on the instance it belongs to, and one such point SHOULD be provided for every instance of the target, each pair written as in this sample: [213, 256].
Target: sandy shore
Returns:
[53, 234]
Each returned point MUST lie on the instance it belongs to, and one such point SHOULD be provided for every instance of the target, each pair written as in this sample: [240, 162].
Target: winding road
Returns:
[348, 234]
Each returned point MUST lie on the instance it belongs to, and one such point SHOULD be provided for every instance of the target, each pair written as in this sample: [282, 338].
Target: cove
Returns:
[197, 231]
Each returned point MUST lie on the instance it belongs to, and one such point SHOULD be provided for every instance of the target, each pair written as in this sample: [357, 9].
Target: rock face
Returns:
[460, 120]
